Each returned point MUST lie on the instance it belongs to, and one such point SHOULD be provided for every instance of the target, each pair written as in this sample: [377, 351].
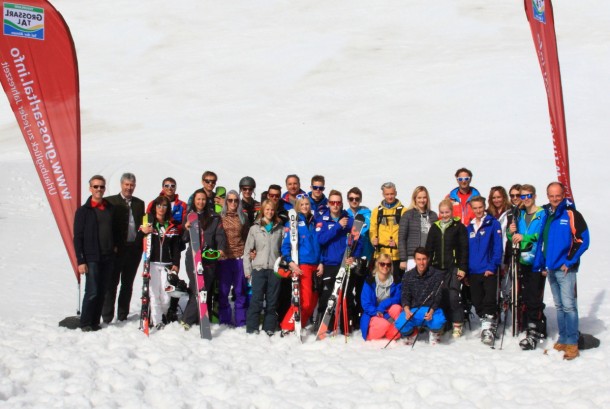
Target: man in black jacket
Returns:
[94, 243]
[128, 212]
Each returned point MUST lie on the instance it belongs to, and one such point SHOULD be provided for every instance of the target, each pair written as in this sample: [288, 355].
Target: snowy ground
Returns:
[361, 92]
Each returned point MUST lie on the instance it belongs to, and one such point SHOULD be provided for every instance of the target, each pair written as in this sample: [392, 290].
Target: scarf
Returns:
[382, 288]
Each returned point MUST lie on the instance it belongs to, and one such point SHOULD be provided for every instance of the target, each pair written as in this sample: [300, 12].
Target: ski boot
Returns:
[532, 338]
[488, 330]
[434, 337]
[458, 329]
[410, 338]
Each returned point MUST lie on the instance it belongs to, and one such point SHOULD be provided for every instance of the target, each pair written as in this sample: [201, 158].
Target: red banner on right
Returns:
[540, 16]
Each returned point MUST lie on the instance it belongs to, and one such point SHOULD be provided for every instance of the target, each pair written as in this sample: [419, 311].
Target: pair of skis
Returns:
[295, 299]
[202, 293]
[145, 310]
[337, 301]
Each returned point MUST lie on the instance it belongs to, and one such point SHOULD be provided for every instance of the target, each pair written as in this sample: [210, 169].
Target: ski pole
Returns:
[419, 329]
[422, 324]
[498, 308]
[506, 302]
[344, 307]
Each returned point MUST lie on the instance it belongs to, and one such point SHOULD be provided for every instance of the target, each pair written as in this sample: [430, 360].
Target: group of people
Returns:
[412, 268]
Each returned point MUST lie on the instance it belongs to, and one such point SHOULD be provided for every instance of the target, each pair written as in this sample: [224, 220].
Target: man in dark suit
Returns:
[127, 219]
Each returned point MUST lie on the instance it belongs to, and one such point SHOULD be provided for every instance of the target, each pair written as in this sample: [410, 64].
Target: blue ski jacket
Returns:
[309, 248]
[565, 237]
[333, 239]
[370, 306]
[485, 246]
[320, 207]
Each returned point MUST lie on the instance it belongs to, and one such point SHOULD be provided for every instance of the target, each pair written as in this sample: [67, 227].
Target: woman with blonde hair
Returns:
[448, 247]
[380, 302]
[308, 264]
[414, 226]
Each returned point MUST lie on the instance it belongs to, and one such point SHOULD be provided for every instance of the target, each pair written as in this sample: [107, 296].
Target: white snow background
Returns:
[360, 91]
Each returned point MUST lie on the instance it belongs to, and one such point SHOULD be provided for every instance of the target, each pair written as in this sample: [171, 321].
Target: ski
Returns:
[145, 311]
[296, 282]
[195, 235]
[337, 294]
[515, 292]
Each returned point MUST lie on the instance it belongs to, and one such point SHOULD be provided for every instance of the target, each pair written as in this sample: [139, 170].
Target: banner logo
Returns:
[23, 21]
[539, 10]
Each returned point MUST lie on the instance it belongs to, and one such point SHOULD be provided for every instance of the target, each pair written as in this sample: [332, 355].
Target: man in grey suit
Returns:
[127, 219]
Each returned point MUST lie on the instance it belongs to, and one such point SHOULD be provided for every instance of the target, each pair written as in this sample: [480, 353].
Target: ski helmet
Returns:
[247, 181]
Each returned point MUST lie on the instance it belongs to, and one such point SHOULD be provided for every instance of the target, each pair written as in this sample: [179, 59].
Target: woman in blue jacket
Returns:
[380, 302]
[308, 263]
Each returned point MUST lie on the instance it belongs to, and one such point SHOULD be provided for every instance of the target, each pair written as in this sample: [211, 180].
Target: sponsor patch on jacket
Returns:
[302, 223]
[473, 235]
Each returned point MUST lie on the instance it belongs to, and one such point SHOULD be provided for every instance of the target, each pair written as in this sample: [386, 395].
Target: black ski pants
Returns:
[483, 293]
[451, 297]
[124, 272]
[533, 297]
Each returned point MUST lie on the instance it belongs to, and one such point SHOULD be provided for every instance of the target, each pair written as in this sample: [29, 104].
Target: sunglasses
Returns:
[387, 265]
[162, 205]
[320, 188]
[527, 196]
[232, 200]
[515, 196]
[273, 195]
[353, 199]
[210, 181]
[335, 202]
[302, 195]
[99, 187]
[169, 186]
[246, 189]
[464, 179]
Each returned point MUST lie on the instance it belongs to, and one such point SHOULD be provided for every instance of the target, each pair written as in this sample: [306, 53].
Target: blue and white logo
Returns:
[23, 21]
[539, 10]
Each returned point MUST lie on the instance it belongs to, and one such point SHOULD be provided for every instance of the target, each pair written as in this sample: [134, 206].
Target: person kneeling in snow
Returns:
[380, 302]
[420, 299]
